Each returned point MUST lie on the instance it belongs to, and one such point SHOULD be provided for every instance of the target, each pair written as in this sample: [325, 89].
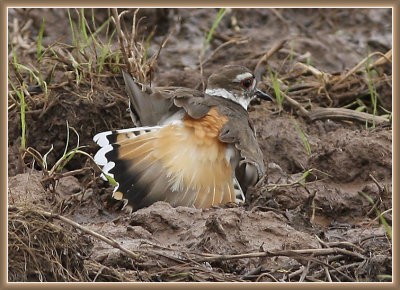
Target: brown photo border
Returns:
[4, 4]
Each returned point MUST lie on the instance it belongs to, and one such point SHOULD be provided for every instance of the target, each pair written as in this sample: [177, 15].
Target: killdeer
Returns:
[192, 148]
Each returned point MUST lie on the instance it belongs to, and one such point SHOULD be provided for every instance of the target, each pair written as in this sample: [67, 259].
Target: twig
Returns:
[288, 253]
[345, 244]
[296, 105]
[253, 272]
[295, 273]
[328, 275]
[381, 187]
[276, 47]
[338, 244]
[377, 217]
[121, 38]
[163, 43]
[356, 68]
[232, 41]
[268, 275]
[316, 72]
[345, 267]
[345, 85]
[56, 176]
[133, 32]
[321, 241]
[279, 15]
[305, 272]
[344, 114]
[382, 60]
[372, 237]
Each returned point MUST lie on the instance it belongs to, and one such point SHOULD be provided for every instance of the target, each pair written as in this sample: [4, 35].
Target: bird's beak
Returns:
[263, 95]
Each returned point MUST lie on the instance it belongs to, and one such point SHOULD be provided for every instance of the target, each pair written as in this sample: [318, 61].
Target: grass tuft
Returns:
[276, 85]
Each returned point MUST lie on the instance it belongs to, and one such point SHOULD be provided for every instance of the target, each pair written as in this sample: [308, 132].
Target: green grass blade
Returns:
[385, 224]
[66, 144]
[303, 137]
[71, 23]
[15, 58]
[45, 156]
[384, 276]
[110, 179]
[101, 27]
[373, 94]
[147, 45]
[67, 156]
[40, 40]
[39, 81]
[278, 95]
[217, 20]
[83, 25]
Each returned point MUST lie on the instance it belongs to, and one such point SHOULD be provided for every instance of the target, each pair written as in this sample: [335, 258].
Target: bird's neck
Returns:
[219, 92]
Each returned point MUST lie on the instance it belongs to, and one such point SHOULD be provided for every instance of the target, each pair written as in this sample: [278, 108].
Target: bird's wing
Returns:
[183, 164]
[147, 106]
[153, 106]
[240, 132]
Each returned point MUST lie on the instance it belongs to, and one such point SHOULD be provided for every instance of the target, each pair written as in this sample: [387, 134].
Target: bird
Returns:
[189, 147]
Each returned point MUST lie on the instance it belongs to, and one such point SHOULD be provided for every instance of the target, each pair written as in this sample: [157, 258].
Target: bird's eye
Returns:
[246, 83]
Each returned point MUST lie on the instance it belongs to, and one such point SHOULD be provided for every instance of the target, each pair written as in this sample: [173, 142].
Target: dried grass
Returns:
[40, 249]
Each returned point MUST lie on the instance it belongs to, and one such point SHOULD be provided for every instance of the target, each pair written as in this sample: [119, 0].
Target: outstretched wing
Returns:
[181, 163]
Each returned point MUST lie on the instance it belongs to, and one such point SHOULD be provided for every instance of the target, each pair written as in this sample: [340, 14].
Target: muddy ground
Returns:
[322, 212]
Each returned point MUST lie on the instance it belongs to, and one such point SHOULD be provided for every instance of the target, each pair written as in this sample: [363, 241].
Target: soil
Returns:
[321, 213]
